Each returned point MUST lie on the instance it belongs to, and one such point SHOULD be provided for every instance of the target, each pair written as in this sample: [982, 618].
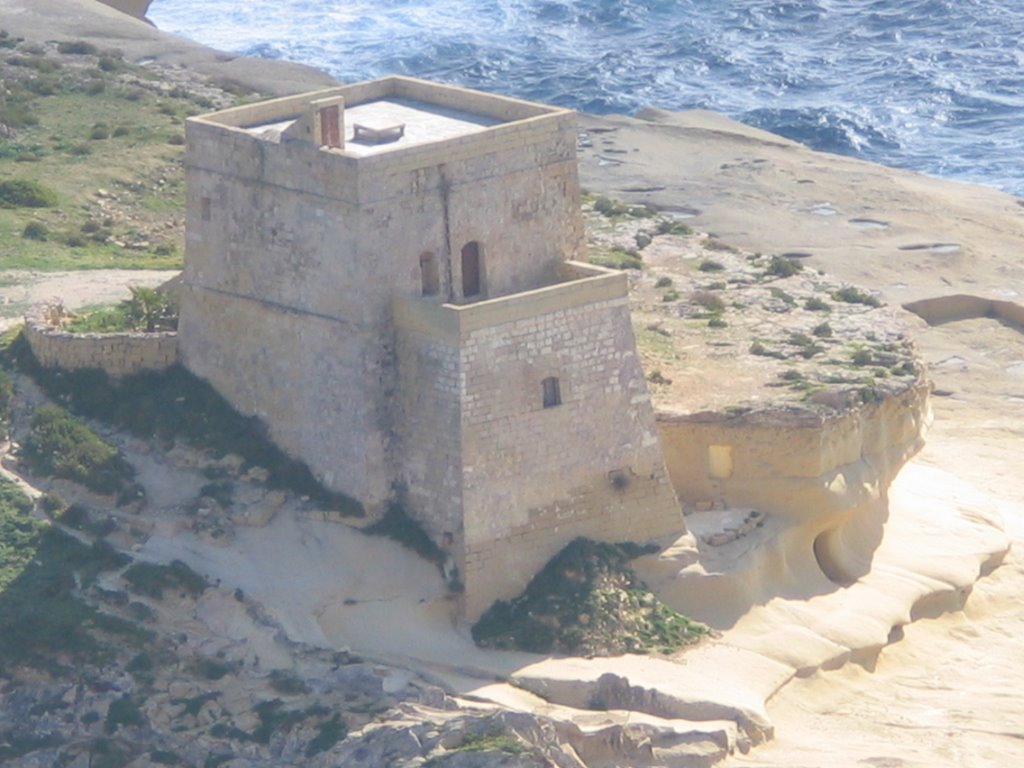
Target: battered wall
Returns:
[536, 477]
[118, 354]
[313, 380]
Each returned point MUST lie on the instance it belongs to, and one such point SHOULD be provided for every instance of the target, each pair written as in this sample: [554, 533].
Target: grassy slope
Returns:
[106, 137]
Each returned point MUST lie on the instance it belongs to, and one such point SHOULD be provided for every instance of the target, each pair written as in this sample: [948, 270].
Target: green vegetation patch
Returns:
[22, 193]
[587, 601]
[44, 621]
[62, 446]
[147, 310]
[174, 404]
[852, 295]
[151, 579]
[617, 257]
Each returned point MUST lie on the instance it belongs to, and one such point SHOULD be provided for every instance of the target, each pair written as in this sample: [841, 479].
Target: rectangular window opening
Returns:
[552, 392]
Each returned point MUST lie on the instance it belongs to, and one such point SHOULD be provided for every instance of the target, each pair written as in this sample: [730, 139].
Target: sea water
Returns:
[932, 85]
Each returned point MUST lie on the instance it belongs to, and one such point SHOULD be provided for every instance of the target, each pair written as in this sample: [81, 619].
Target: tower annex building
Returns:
[386, 275]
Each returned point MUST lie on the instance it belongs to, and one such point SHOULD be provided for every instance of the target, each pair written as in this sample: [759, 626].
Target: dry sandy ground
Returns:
[20, 289]
[951, 693]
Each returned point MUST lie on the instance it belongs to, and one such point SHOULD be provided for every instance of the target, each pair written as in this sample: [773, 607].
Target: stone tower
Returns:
[384, 274]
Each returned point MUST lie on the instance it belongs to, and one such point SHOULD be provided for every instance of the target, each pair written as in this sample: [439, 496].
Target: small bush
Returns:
[35, 230]
[717, 322]
[329, 733]
[95, 87]
[814, 304]
[22, 193]
[123, 711]
[862, 357]
[287, 684]
[671, 227]
[780, 266]
[120, 131]
[670, 295]
[709, 301]
[851, 295]
[176, 140]
[151, 579]
[75, 240]
[78, 48]
[108, 64]
[663, 282]
[710, 265]
[822, 331]
[99, 132]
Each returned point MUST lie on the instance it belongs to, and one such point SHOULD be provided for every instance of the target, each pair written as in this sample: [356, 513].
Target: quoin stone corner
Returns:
[386, 275]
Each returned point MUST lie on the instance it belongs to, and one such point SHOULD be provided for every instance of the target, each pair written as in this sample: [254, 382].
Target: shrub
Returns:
[108, 64]
[852, 295]
[150, 310]
[642, 240]
[78, 48]
[586, 600]
[120, 131]
[780, 266]
[822, 331]
[710, 265]
[151, 579]
[717, 322]
[862, 357]
[35, 230]
[60, 445]
[663, 282]
[671, 227]
[709, 301]
[22, 193]
[95, 87]
[100, 131]
[814, 304]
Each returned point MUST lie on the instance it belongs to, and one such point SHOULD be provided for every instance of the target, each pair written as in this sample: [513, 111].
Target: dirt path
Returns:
[20, 289]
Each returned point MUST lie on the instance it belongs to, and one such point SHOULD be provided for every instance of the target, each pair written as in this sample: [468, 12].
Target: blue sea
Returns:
[932, 85]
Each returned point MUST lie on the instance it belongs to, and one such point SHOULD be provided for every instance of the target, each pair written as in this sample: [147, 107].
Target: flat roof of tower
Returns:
[420, 122]
[392, 112]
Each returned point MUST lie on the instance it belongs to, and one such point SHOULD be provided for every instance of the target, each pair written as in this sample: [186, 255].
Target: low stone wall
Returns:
[118, 354]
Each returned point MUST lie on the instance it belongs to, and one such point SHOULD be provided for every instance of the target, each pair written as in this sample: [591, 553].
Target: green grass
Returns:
[45, 622]
[616, 258]
[152, 579]
[79, 131]
[106, 318]
[172, 404]
[62, 446]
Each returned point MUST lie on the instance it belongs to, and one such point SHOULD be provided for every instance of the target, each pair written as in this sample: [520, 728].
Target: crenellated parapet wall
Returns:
[117, 354]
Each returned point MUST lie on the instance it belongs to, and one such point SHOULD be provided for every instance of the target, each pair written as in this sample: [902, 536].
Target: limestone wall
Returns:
[119, 354]
[799, 465]
[294, 254]
[533, 476]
